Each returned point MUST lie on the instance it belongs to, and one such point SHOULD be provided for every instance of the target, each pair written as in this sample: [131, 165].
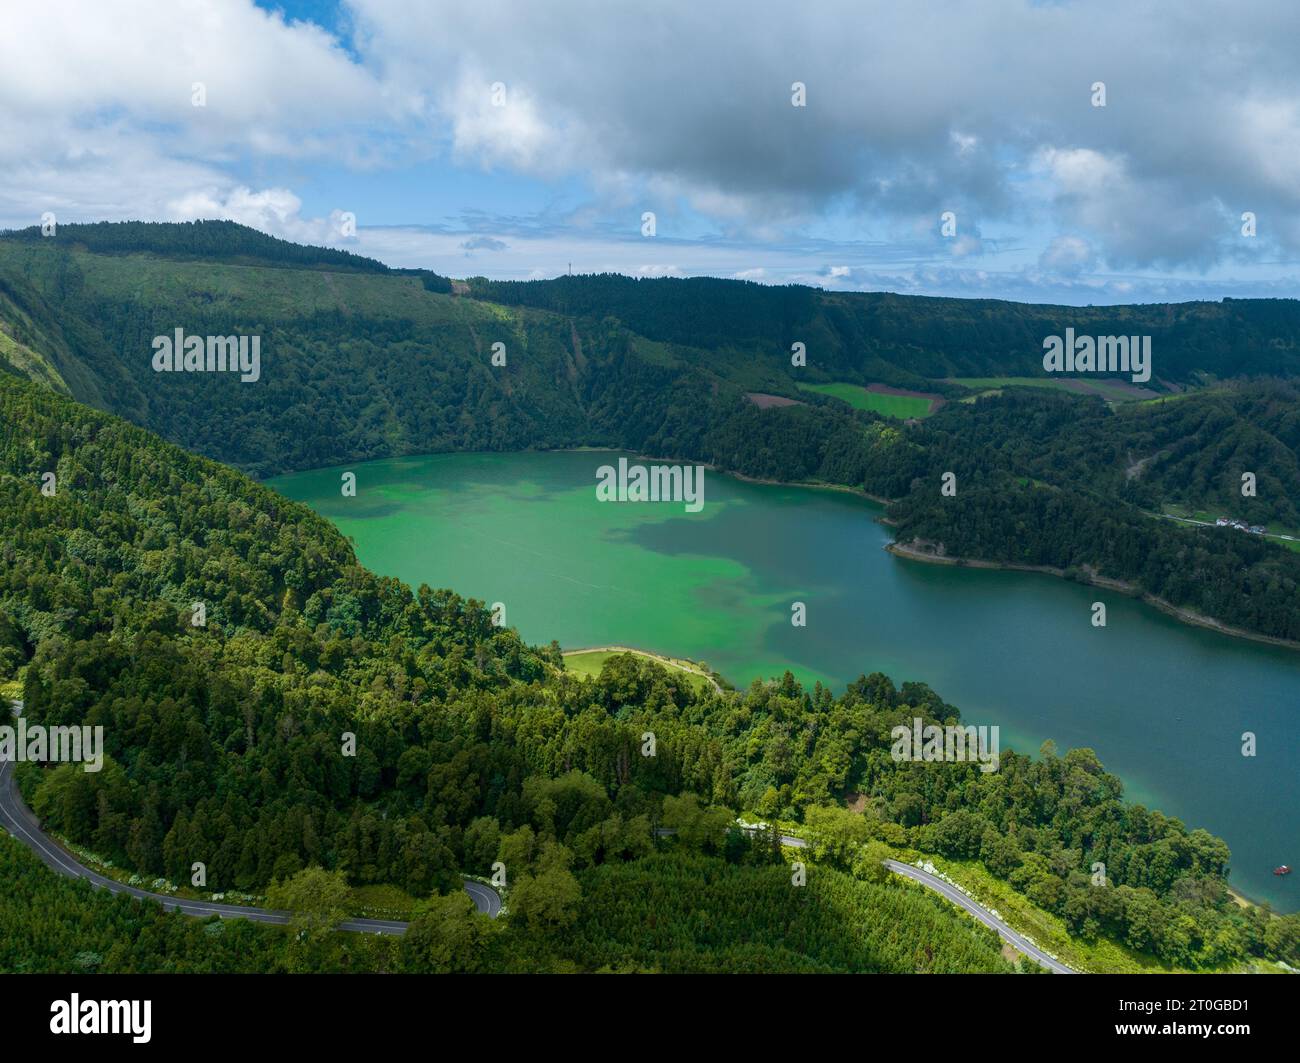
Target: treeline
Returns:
[646, 916]
[758, 922]
[701, 312]
[216, 241]
[1192, 449]
[360, 380]
[865, 335]
[747, 329]
[1238, 579]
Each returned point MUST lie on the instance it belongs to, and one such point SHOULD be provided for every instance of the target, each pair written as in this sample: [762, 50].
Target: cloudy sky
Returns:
[513, 138]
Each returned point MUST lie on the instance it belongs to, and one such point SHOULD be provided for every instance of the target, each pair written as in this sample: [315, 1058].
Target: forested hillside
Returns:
[50, 925]
[226, 743]
[863, 336]
[210, 241]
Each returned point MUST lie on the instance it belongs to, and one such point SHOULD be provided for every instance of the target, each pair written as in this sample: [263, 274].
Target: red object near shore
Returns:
[1283, 870]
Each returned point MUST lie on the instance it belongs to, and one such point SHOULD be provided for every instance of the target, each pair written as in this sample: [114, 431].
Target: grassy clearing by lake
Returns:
[901, 406]
[590, 662]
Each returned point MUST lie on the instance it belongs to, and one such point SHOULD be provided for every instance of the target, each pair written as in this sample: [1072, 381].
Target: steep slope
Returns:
[353, 364]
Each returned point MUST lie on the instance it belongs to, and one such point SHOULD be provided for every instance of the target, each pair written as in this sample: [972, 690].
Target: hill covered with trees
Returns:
[211, 241]
[227, 742]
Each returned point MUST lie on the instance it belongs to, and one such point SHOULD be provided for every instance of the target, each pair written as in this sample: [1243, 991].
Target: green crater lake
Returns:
[1163, 704]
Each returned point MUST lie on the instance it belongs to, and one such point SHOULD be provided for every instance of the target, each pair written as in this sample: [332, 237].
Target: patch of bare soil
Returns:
[766, 402]
[855, 802]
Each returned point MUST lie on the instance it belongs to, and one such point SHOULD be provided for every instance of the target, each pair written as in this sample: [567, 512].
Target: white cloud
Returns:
[911, 109]
[1067, 255]
[978, 106]
[496, 123]
[98, 116]
[272, 210]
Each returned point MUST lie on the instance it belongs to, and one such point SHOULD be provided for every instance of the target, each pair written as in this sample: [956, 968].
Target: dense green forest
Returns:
[909, 340]
[1190, 450]
[226, 743]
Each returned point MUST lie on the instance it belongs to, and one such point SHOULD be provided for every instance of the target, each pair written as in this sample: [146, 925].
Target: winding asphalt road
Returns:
[22, 823]
[986, 917]
[951, 893]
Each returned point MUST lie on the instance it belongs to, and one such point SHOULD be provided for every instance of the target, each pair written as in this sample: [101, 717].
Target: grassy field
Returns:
[590, 662]
[1111, 390]
[902, 406]
[995, 382]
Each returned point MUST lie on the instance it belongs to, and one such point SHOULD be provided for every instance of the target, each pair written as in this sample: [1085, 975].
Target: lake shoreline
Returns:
[809, 484]
[1187, 616]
